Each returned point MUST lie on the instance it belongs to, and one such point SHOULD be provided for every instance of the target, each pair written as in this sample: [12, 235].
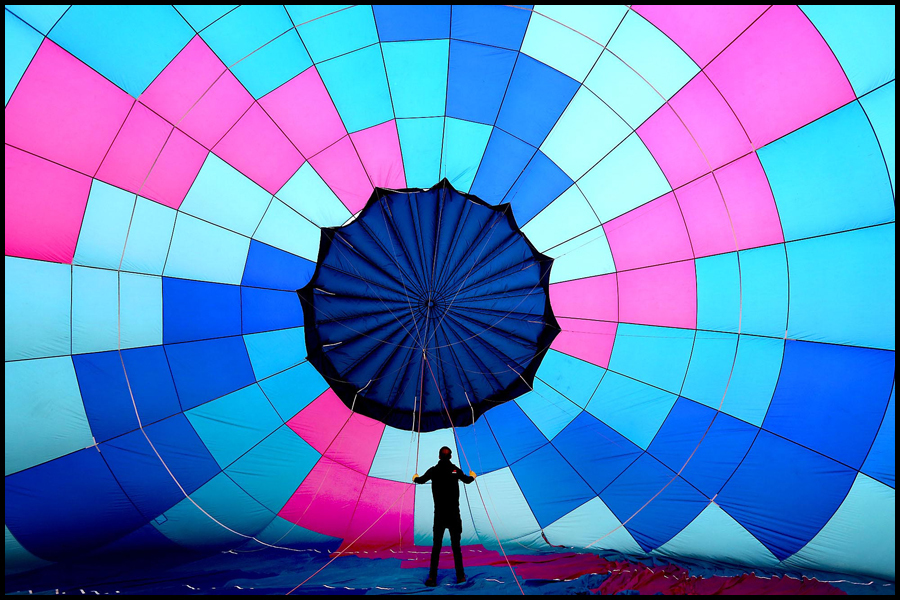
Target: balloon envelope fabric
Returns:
[714, 184]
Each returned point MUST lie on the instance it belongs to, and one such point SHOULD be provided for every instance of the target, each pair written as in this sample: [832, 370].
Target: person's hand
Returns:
[416, 476]
[472, 474]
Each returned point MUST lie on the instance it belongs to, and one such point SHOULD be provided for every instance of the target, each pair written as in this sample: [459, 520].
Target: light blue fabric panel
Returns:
[843, 288]
[588, 523]
[573, 378]
[306, 193]
[815, 171]
[225, 197]
[881, 108]
[229, 426]
[129, 44]
[764, 291]
[395, 458]
[339, 33]
[201, 16]
[584, 134]
[41, 17]
[273, 469]
[710, 370]
[862, 37]
[105, 226]
[417, 75]
[140, 303]
[227, 503]
[43, 414]
[549, 410]
[285, 229]
[625, 179]
[561, 47]
[20, 44]
[464, 145]
[584, 256]
[149, 237]
[205, 252]
[632, 408]
[358, 87]
[274, 351]
[508, 509]
[651, 53]
[37, 324]
[95, 297]
[17, 559]
[292, 390]
[756, 371]
[272, 65]
[718, 292]
[623, 90]
[566, 217]
[881, 462]
[657, 355]
[420, 144]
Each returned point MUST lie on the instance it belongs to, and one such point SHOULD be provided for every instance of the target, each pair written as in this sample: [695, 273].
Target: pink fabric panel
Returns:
[326, 499]
[588, 340]
[591, 298]
[257, 148]
[129, 160]
[779, 75]
[665, 295]
[750, 203]
[65, 111]
[651, 234]
[321, 420]
[673, 148]
[384, 516]
[339, 166]
[355, 446]
[175, 170]
[44, 207]
[707, 218]
[217, 111]
[702, 30]
[379, 150]
[304, 111]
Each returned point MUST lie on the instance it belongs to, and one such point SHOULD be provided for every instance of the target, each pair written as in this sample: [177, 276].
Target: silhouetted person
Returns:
[445, 490]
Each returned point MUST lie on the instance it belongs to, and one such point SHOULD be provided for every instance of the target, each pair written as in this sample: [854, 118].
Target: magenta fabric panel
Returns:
[665, 295]
[339, 166]
[780, 75]
[706, 216]
[326, 499]
[675, 151]
[379, 150]
[175, 170]
[304, 111]
[588, 340]
[384, 516]
[750, 203]
[591, 298]
[356, 444]
[320, 421]
[651, 234]
[44, 207]
[64, 111]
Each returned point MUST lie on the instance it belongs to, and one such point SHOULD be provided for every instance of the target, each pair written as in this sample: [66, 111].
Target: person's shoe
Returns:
[461, 578]
[431, 582]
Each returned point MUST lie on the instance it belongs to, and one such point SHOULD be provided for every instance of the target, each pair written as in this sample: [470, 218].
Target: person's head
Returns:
[445, 453]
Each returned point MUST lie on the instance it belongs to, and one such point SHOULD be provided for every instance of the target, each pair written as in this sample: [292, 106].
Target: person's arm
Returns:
[467, 478]
[424, 478]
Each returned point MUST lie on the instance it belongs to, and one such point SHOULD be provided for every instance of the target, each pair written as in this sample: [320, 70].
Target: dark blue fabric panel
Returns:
[270, 267]
[784, 493]
[482, 454]
[151, 383]
[502, 26]
[208, 369]
[676, 504]
[147, 541]
[399, 22]
[199, 310]
[596, 451]
[541, 183]
[882, 457]
[514, 431]
[265, 310]
[831, 398]
[536, 97]
[477, 81]
[68, 505]
[104, 392]
[503, 162]
[567, 491]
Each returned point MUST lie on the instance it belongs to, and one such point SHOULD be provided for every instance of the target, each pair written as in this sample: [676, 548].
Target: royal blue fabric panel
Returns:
[198, 310]
[514, 431]
[151, 383]
[549, 502]
[68, 505]
[503, 162]
[784, 493]
[882, 457]
[208, 369]
[536, 97]
[541, 183]
[477, 81]
[266, 310]
[146, 540]
[597, 451]
[104, 392]
[145, 479]
[269, 267]
[831, 398]
[482, 454]
[676, 504]
[400, 22]
[502, 26]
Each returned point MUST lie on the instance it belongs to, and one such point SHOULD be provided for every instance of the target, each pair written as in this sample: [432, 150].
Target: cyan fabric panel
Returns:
[273, 351]
[197, 310]
[208, 369]
[358, 86]
[417, 76]
[631, 407]
[573, 378]
[41, 17]
[598, 452]
[880, 106]
[292, 390]
[764, 290]
[106, 226]
[20, 43]
[713, 362]
[421, 143]
[355, 23]
[95, 310]
[550, 502]
[657, 355]
[719, 293]
[37, 325]
[756, 371]
[201, 16]
[148, 238]
[269, 267]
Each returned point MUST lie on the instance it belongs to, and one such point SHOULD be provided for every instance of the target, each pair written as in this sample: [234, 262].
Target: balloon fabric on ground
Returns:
[705, 373]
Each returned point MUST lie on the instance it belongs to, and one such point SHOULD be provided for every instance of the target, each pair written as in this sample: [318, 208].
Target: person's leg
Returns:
[438, 532]
[455, 534]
